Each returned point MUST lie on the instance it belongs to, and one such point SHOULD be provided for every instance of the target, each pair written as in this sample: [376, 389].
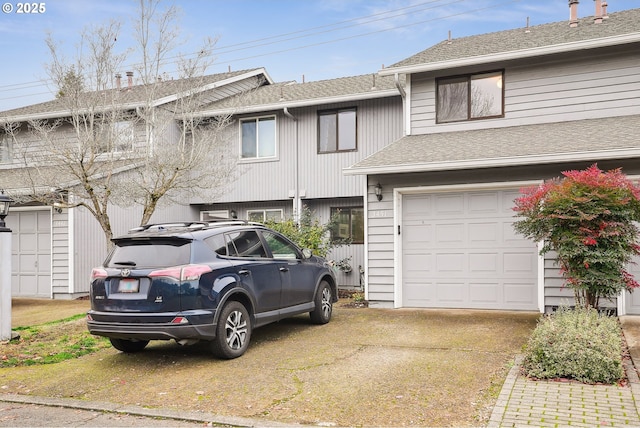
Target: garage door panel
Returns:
[484, 262]
[484, 233]
[519, 294]
[486, 293]
[449, 233]
[476, 260]
[520, 263]
[451, 292]
[483, 203]
[449, 204]
[450, 263]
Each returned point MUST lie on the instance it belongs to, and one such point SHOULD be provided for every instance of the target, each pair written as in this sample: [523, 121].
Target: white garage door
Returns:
[459, 250]
[31, 253]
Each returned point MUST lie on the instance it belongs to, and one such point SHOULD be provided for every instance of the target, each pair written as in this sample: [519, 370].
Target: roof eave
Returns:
[494, 162]
[298, 103]
[517, 54]
[214, 85]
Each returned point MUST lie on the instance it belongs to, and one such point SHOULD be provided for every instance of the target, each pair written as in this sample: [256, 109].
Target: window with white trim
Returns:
[348, 224]
[265, 215]
[116, 137]
[258, 138]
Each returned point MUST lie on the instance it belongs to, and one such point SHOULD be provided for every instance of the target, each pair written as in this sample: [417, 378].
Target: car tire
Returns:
[128, 346]
[233, 331]
[324, 304]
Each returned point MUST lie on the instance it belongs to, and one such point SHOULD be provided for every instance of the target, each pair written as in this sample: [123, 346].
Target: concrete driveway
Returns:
[368, 367]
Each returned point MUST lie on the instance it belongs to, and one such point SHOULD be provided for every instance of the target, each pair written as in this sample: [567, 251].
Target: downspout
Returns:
[405, 109]
[297, 202]
[396, 79]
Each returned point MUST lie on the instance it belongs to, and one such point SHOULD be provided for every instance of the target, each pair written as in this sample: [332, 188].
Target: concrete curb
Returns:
[181, 415]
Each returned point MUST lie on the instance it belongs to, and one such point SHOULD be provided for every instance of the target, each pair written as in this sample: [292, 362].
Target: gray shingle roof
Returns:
[290, 93]
[516, 145]
[539, 36]
[126, 96]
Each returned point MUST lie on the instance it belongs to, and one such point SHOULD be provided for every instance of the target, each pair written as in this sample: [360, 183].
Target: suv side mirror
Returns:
[306, 253]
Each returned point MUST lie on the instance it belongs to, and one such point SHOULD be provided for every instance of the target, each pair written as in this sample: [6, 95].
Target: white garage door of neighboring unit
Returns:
[459, 250]
[31, 253]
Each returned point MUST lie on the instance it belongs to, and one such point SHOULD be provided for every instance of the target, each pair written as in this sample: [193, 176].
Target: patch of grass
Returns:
[578, 344]
[50, 343]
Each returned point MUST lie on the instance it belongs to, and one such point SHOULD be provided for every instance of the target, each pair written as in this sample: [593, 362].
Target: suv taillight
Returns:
[182, 273]
[98, 273]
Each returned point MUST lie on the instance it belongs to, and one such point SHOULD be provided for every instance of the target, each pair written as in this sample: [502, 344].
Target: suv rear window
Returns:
[150, 253]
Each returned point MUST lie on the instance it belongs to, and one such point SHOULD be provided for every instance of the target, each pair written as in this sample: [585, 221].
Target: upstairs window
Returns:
[348, 225]
[116, 137]
[337, 130]
[5, 148]
[475, 96]
[258, 138]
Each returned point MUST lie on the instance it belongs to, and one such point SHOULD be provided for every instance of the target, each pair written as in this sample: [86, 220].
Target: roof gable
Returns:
[131, 97]
[619, 27]
[293, 94]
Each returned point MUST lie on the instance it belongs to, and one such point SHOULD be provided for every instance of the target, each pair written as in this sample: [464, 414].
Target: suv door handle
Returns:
[243, 272]
[284, 269]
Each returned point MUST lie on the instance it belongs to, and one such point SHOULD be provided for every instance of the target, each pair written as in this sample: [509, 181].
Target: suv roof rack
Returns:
[194, 225]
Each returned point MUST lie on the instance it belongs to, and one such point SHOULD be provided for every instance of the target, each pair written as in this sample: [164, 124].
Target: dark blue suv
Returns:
[205, 281]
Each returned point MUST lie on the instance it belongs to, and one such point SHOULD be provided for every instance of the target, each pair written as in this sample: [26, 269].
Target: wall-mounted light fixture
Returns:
[57, 207]
[234, 214]
[378, 190]
[5, 204]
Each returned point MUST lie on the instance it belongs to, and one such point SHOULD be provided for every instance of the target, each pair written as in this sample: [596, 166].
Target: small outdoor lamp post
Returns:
[5, 270]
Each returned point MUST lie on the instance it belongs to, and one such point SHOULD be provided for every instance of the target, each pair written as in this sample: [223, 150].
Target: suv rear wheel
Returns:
[324, 305]
[128, 346]
[233, 331]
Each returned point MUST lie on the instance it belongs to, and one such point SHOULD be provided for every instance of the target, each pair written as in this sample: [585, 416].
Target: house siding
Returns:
[379, 123]
[60, 260]
[603, 85]
[90, 246]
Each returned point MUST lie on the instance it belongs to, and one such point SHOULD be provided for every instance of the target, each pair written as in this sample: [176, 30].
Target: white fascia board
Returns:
[61, 114]
[299, 103]
[213, 85]
[495, 162]
[511, 55]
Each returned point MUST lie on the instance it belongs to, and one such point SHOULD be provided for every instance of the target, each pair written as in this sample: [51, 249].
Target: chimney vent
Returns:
[597, 17]
[573, 13]
[118, 81]
[129, 79]
[527, 30]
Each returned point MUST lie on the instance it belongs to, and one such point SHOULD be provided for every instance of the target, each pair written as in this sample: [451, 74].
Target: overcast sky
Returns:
[317, 39]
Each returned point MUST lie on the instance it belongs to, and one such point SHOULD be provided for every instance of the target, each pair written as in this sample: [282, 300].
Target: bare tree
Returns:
[102, 150]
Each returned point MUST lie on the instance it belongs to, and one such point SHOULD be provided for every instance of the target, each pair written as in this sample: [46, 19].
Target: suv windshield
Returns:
[150, 253]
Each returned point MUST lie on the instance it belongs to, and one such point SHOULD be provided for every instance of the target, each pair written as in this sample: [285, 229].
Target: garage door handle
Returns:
[398, 229]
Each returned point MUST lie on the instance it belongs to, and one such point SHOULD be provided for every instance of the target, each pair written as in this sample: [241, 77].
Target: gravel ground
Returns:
[367, 367]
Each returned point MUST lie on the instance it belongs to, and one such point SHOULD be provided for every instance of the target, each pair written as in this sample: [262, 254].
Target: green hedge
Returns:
[578, 344]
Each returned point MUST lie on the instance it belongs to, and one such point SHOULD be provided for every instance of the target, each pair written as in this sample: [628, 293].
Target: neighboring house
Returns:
[485, 116]
[54, 248]
[294, 140]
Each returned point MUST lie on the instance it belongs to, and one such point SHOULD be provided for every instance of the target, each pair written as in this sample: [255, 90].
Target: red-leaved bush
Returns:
[587, 217]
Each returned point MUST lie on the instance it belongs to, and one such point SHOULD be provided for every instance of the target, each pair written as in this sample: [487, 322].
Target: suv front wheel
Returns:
[233, 331]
